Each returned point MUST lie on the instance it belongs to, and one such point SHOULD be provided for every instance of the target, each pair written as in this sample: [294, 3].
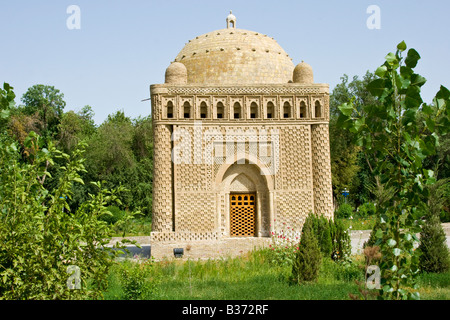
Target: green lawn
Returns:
[358, 223]
[253, 277]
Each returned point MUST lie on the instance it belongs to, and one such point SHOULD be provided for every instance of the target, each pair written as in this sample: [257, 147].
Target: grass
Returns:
[359, 223]
[253, 277]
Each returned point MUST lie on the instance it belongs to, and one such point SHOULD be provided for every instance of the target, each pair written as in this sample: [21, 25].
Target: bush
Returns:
[136, 280]
[367, 209]
[345, 211]
[340, 240]
[435, 254]
[284, 246]
[115, 215]
[308, 258]
[321, 229]
[42, 241]
[332, 236]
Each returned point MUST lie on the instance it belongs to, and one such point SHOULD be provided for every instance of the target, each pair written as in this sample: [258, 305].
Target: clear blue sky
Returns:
[124, 46]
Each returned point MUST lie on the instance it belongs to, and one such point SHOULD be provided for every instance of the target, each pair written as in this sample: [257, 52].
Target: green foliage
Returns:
[6, 102]
[48, 102]
[137, 281]
[399, 147]
[41, 238]
[340, 240]
[74, 127]
[119, 153]
[345, 211]
[308, 258]
[115, 215]
[284, 246]
[321, 229]
[350, 165]
[435, 255]
[367, 209]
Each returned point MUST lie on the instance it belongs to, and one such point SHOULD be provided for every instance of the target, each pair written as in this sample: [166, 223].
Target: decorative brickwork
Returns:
[243, 122]
[323, 196]
[162, 180]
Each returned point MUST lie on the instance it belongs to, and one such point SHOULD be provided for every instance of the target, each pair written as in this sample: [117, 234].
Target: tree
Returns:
[388, 130]
[308, 258]
[349, 165]
[433, 242]
[42, 241]
[48, 102]
[435, 254]
[75, 127]
[120, 153]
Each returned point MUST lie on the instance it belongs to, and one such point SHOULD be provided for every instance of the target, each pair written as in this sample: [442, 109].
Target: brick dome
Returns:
[303, 73]
[235, 56]
[176, 73]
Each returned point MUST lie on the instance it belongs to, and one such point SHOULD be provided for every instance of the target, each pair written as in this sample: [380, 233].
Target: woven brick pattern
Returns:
[323, 196]
[196, 212]
[295, 165]
[292, 207]
[162, 180]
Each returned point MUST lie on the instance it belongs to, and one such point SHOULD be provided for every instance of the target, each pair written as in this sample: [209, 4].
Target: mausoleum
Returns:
[241, 141]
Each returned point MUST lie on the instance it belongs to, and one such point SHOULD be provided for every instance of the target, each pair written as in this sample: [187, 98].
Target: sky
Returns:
[122, 47]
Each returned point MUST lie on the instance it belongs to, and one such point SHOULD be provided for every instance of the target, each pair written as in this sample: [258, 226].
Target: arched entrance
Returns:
[248, 200]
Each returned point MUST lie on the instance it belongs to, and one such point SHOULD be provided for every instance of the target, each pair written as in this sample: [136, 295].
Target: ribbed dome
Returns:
[235, 56]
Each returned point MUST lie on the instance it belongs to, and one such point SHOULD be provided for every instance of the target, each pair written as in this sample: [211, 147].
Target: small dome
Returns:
[303, 73]
[176, 73]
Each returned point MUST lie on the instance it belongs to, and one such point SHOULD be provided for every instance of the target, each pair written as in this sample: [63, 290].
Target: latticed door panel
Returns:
[242, 215]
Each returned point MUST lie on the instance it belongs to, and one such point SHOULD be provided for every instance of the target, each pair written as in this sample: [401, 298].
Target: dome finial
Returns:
[231, 21]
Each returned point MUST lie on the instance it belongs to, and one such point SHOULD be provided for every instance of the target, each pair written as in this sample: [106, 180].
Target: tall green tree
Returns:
[349, 165]
[389, 132]
[48, 102]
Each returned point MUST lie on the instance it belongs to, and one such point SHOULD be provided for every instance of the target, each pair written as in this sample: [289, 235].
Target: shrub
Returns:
[345, 211]
[284, 246]
[137, 281]
[435, 254]
[340, 240]
[321, 229]
[308, 258]
[367, 209]
[42, 241]
[115, 215]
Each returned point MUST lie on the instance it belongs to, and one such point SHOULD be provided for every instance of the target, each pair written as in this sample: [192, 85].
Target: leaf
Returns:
[381, 71]
[430, 124]
[413, 98]
[379, 233]
[376, 87]
[346, 109]
[79, 180]
[391, 242]
[391, 59]
[426, 109]
[359, 122]
[415, 296]
[417, 80]
[401, 46]
[412, 58]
